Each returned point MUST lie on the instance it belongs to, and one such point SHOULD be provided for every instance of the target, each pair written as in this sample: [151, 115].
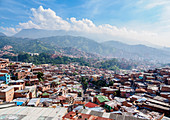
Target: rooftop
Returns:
[102, 98]
[6, 89]
[32, 113]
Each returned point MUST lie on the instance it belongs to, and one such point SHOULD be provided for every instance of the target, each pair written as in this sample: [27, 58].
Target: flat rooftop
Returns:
[32, 113]
[6, 89]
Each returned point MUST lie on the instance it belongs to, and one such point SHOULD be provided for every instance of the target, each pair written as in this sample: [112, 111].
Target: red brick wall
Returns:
[9, 95]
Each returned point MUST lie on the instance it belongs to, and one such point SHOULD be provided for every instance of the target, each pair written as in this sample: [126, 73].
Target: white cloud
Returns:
[83, 25]
[155, 3]
[47, 19]
[10, 31]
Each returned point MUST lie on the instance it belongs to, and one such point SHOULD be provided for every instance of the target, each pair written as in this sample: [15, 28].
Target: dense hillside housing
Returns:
[71, 91]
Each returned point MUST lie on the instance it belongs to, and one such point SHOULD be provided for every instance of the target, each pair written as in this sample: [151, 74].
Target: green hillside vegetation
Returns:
[25, 45]
[110, 49]
[115, 64]
[45, 58]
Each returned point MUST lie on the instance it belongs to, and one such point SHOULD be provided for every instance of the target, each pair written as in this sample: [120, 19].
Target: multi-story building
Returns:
[5, 77]
[7, 94]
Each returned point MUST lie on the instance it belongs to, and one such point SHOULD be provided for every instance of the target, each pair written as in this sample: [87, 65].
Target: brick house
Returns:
[7, 93]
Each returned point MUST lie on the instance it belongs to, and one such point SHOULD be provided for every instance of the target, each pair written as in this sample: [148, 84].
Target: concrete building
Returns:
[5, 77]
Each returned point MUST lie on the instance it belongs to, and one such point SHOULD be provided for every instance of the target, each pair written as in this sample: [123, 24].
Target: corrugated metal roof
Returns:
[102, 98]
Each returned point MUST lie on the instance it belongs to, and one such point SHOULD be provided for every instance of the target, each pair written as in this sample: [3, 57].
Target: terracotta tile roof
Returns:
[84, 116]
[68, 115]
[78, 102]
[91, 105]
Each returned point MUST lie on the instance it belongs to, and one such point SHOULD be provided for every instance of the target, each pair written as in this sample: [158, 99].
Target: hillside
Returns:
[46, 58]
[87, 45]
[37, 46]
[109, 49]
[84, 47]
[24, 44]
[41, 33]
[141, 50]
[73, 52]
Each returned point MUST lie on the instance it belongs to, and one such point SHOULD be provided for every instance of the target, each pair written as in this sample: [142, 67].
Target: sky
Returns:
[138, 21]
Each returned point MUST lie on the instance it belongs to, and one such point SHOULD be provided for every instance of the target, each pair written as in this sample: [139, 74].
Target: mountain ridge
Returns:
[106, 49]
[41, 33]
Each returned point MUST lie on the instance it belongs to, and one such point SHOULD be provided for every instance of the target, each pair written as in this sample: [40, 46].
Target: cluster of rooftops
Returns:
[133, 95]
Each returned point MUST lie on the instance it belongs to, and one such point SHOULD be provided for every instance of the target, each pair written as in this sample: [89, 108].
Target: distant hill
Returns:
[85, 44]
[38, 46]
[109, 49]
[70, 51]
[24, 44]
[83, 47]
[142, 50]
[41, 33]
[166, 49]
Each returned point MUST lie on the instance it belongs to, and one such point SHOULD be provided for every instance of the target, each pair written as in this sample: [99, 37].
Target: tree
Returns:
[84, 83]
[53, 84]
[40, 76]
[101, 83]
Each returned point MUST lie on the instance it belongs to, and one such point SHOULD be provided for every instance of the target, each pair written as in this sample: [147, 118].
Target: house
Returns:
[91, 105]
[22, 93]
[152, 89]
[140, 90]
[165, 88]
[165, 95]
[20, 83]
[83, 116]
[100, 99]
[126, 92]
[3, 63]
[5, 77]
[7, 93]
[4, 71]
[44, 87]
[28, 92]
[33, 102]
[33, 81]
[155, 105]
[32, 90]
[21, 74]
[111, 105]
[37, 69]
[108, 91]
